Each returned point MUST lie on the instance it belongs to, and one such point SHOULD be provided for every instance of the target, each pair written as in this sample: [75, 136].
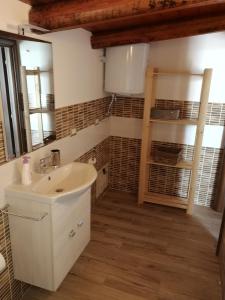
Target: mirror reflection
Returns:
[27, 119]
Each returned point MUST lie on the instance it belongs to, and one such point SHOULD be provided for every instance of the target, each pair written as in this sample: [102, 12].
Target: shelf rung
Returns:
[32, 72]
[184, 164]
[166, 200]
[183, 73]
[176, 122]
[40, 110]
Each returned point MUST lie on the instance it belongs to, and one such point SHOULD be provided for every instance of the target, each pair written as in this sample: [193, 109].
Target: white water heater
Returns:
[125, 69]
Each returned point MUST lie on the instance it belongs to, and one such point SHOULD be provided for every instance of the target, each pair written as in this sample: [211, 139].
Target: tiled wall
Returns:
[128, 107]
[166, 179]
[124, 163]
[2, 146]
[124, 171]
[101, 153]
[169, 180]
[9, 287]
[79, 116]
[175, 182]
[134, 107]
[190, 109]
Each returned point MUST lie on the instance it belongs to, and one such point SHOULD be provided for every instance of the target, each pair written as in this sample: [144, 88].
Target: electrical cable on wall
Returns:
[114, 98]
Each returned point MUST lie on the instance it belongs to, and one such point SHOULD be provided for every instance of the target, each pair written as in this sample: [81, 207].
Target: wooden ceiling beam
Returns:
[96, 15]
[119, 22]
[159, 32]
[38, 2]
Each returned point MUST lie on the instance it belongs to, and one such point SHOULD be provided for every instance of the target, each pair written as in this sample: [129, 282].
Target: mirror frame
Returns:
[12, 39]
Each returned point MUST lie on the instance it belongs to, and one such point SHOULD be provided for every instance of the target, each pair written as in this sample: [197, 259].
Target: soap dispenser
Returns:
[26, 171]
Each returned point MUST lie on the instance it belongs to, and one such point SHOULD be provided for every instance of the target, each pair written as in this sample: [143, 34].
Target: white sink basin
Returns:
[60, 184]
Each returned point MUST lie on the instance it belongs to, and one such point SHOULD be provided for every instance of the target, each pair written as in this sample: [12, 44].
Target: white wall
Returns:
[13, 13]
[35, 54]
[192, 54]
[78, 71]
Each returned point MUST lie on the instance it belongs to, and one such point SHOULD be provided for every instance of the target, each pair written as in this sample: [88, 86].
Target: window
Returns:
[12, 108]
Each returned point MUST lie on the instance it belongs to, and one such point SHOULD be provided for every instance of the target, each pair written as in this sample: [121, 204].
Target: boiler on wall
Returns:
[125, 69]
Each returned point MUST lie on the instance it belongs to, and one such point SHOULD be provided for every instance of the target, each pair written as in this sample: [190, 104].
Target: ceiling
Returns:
[119, 22]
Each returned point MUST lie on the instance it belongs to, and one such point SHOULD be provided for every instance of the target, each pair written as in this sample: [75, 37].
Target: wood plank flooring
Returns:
[136, 253]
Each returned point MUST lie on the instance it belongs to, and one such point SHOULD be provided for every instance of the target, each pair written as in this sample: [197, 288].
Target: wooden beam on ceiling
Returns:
[159, 32]
[119, 22]
[156, 17]
[95, 15]
[38, 2]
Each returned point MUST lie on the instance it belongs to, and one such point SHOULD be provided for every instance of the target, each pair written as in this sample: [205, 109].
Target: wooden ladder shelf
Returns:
[146, 161]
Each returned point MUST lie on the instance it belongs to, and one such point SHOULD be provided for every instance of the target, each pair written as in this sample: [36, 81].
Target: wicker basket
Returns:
[167, 155]
[165, 114]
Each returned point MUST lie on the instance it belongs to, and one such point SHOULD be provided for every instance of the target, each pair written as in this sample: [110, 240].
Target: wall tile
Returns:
[80, 116]
[124, 170]
[133, 108]
[10, 289]
[100, 152]
[2, 146]
[124, 163]
[128, 107]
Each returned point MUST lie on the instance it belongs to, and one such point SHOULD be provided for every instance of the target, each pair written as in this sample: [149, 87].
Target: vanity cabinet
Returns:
[44, 251]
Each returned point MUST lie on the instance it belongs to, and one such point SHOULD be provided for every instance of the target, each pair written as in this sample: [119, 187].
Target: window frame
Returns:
[17, 128]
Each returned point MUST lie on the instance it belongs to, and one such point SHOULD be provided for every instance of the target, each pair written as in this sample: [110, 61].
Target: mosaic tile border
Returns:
[189, 110]
[128, 107]
[133, 108]
[80, 116]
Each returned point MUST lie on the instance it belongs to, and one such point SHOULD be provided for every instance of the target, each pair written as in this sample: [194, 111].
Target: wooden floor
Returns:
[149, 253]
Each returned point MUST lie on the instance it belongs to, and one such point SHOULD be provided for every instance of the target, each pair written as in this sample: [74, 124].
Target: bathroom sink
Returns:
[62, 183]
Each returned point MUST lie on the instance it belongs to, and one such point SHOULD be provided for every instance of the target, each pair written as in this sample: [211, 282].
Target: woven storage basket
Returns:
[167, 155]
[165, 114]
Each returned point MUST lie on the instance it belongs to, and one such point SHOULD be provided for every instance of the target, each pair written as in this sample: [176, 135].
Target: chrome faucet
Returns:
[55, 158]
[45, 163]
[51, 161]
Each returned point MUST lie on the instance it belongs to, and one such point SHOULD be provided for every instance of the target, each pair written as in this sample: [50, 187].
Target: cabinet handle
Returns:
[72, 233]
[80, 224]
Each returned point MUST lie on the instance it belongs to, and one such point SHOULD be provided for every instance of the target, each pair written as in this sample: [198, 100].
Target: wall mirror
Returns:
[27, 106]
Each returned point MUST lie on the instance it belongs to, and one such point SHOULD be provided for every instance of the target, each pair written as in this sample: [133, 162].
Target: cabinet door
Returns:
[83, 225]
[71, 224]
[31, 243]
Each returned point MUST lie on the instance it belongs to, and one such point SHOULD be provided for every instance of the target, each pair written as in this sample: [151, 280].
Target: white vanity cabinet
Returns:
[44, 251]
